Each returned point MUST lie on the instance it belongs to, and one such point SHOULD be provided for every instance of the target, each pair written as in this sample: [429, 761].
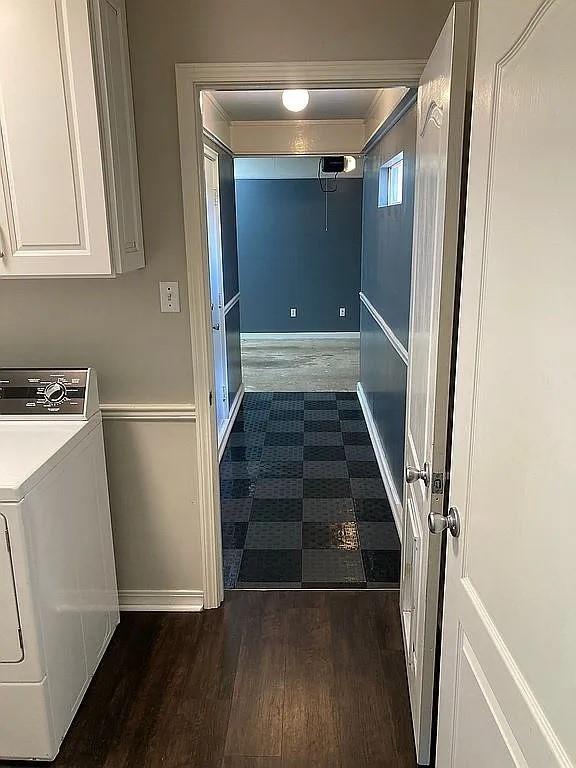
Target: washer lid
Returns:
[31, 449]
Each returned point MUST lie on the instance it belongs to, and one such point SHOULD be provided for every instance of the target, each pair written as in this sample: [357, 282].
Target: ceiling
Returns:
[325, 104]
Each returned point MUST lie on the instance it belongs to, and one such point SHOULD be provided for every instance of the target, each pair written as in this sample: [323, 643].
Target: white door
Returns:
[53, 216]
[216, 289]
[508, 668]
[441, 103]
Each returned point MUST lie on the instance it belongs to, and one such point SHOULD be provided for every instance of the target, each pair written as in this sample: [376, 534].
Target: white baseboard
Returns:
[299, 336]
[382, 459]
[223, 437]
[161, 600]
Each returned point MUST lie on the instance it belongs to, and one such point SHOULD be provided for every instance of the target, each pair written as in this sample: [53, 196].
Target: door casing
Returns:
[191, 79]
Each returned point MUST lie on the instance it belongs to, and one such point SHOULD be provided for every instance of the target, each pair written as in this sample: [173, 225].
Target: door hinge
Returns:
[438, 483]
[224, 394]
[210, 398]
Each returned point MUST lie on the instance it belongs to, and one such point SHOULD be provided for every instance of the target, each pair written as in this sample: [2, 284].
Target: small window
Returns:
[390, 181]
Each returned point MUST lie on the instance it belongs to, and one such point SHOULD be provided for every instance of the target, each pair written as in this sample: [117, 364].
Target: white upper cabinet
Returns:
[69, 191]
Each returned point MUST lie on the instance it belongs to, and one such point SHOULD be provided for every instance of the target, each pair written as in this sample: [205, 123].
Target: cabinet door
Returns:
[117, 122]
[53, 217]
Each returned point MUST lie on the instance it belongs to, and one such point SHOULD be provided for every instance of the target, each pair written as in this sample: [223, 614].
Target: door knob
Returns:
[413, 474]
[439, 523]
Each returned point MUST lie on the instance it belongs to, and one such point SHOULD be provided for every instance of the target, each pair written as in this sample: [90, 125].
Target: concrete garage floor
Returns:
[312, 365]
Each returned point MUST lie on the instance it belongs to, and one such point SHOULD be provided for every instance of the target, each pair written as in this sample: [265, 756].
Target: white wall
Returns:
[285, 168]
[298, 137]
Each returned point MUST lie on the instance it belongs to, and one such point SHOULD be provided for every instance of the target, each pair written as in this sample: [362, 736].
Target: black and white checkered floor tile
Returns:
[303, 503]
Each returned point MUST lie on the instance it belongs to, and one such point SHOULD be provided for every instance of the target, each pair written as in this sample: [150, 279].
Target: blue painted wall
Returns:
[287, 259]
[229, 265]
[386, 268]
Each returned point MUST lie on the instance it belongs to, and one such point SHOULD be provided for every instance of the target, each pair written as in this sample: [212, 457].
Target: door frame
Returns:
[212, 155]
[191, 79]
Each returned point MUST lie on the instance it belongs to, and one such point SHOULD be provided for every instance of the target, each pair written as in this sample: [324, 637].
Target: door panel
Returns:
[52, 202]
[216, 289]
[10, 644]
[511, 572]
[441, 101]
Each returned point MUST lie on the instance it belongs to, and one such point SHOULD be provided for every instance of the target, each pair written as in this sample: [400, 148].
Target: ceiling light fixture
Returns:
[295, 99]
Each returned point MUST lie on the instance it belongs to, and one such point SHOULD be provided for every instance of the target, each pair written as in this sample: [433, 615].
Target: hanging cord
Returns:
[326, 188]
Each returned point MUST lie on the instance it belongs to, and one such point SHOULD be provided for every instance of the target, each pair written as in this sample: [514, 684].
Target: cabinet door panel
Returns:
[120, 139]
[53, 209]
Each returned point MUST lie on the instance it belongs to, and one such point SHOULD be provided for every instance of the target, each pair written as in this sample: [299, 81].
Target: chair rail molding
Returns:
[229, 304]
[191, 79]
[392, 338]
[148, 411]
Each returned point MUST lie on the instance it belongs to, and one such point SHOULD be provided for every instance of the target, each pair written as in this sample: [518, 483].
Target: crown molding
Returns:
[208, 96]
[290, 123]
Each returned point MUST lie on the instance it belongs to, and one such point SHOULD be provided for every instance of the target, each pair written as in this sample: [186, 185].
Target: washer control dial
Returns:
[55, 392]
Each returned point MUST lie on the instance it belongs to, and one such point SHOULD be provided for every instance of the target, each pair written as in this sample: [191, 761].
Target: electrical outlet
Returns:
[169, 296]
[342, 311]
[293, 312]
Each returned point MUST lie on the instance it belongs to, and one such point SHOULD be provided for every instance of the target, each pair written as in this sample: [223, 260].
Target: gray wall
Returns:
[287, 259]
[116, 324]
[386, 266]
[229, 264]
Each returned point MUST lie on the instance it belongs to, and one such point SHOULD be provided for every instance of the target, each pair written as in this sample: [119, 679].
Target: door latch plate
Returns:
[438, 483]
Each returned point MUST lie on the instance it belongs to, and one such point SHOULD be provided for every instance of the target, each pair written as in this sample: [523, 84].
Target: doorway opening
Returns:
[310, 295]
[426, 361]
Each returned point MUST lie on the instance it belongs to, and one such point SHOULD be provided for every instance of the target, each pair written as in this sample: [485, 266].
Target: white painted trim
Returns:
[223, 438]
[161, 600]
[372, 108]
[148, 411]
[211, 136]
[401, 109]
[382, 459]
[299, 336]
[215, 121]
[234, 300]
[392, 338]
[355, 121]
[218, 108]
[221, 392]
[275, 74]
[190, 80]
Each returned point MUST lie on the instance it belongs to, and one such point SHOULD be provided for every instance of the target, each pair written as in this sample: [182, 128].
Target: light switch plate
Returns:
[342, 311]
[169, 296]
[293, 312]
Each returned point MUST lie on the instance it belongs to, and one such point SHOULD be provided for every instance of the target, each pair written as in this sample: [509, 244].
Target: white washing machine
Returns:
[58, 595]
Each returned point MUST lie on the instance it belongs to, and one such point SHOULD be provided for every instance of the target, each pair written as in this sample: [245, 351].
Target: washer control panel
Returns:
[44, 393]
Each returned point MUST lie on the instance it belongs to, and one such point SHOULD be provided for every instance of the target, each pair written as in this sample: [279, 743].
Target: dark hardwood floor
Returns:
[270, 680]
